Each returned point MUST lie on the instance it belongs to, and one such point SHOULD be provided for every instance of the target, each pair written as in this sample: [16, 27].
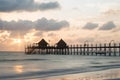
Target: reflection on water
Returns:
[18, 68]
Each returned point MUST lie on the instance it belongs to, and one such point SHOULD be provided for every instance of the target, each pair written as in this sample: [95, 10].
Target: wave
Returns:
[58, 72]
[113, 79]
[114, 62]
[95, 63]
[10, 60]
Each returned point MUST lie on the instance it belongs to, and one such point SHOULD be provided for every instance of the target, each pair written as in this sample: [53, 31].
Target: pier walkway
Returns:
[61, 48]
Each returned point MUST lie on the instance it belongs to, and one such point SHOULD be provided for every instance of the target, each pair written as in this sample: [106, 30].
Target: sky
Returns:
[23, 22]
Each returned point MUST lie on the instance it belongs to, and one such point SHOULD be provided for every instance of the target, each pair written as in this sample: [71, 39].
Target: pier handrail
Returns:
[111, 42]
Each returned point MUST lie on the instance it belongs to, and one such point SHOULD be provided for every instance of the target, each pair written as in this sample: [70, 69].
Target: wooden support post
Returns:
[74, 49]
[62, 51]
[68, 50]
[105, 49]
[91, 49]
[87, 49]
[80, 49]
[43, 51]
[114, 49]
[39, 50]
[84, 51]
[109, 49]
[77, 49]
[119, 49]
[71, 49]
[46, 51]
[59, 51]
[96, 51]
[100, 49]
[51, 50]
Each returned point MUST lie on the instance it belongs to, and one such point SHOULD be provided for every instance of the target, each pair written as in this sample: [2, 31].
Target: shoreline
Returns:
[110, 74]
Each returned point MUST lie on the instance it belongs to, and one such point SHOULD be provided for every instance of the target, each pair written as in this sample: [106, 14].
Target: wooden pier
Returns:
[61, 48]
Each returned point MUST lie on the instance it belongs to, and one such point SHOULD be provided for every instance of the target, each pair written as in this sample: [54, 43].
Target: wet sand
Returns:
[111, 74]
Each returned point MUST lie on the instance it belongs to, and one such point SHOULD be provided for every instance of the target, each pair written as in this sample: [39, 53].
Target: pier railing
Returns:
[106, 49]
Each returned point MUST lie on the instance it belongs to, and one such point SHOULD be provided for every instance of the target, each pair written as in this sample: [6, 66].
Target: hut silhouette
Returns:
[61, 44]
[42, 44]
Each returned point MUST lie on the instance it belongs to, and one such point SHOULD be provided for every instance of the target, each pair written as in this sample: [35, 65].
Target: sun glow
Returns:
[17, 41]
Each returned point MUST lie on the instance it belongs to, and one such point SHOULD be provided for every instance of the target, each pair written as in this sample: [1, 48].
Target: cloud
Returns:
[4, 35]
[39, 33]
[48, 25]
[90, 26]
[50, 5]
[112, 12]
[51, 34]
[26, 5]
[41, 24]
[21, 25]
[117, 29]
[108, 26]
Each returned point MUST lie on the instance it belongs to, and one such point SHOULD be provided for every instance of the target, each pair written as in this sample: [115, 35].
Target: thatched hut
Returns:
[61, 44]
[42, 44]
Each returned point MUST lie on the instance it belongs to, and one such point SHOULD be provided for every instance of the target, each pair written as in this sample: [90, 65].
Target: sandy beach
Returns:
[111, 74]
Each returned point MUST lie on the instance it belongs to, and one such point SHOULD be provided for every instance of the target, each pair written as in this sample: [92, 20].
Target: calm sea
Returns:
[17, 65]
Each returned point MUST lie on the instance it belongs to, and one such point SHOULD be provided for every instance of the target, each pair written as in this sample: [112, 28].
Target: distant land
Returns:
[12, 51]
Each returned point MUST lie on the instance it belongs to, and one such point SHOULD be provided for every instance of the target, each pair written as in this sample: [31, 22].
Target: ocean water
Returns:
[19, 66]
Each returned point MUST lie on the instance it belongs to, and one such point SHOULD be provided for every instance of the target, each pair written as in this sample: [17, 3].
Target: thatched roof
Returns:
[42, 43]
[61, 43]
